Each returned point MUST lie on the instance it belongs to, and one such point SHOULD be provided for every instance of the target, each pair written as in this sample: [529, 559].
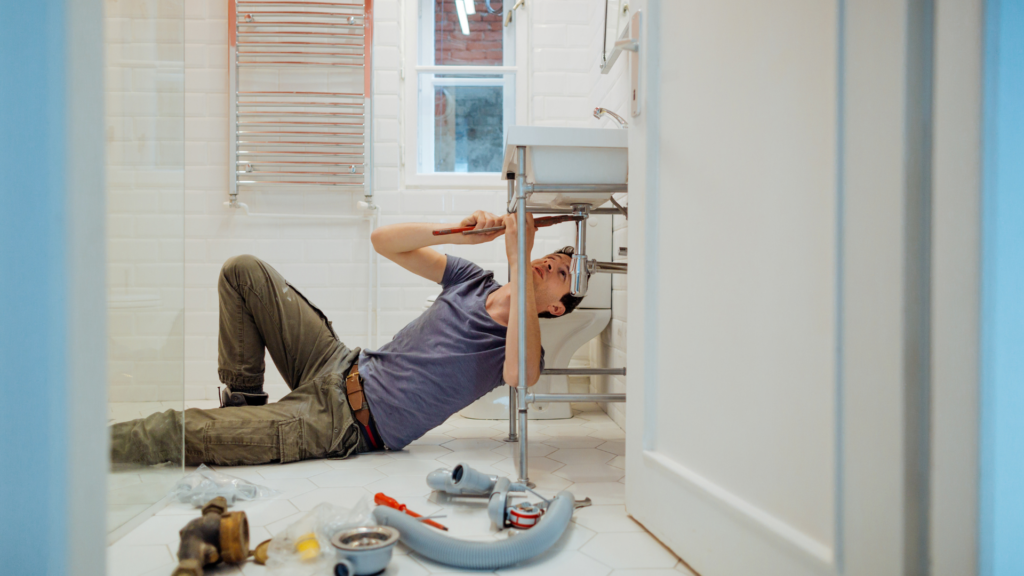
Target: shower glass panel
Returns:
[145, 96]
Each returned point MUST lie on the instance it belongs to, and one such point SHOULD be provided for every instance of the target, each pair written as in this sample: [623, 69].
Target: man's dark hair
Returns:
[568, 300]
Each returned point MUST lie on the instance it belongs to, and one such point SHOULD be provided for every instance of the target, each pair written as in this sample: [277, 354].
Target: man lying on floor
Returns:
[349, 401]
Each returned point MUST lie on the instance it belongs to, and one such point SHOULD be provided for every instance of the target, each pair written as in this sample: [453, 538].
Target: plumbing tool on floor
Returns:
[545, 527]
[538, 222]
[365, 550]
[383, 500]
[216, 536]
[465, 481]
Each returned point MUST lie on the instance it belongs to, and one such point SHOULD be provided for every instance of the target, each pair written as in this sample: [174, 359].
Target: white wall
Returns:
[612, 91]
[144, 132]
[328, 261]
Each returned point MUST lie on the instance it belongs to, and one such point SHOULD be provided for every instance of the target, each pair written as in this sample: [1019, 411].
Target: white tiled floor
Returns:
[583, 454]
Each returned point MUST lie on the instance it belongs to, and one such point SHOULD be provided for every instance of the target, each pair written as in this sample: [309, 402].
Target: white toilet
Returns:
[562, 337]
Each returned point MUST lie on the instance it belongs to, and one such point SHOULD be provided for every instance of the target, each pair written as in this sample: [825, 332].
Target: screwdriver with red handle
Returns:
[383, 500]
[539, 223]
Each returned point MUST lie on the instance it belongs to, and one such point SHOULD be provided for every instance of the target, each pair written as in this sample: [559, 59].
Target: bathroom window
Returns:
[465, 94]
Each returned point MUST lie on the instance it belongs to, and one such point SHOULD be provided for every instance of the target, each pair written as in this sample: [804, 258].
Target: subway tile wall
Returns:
[327, 260]
[145, 88]
[611, 91]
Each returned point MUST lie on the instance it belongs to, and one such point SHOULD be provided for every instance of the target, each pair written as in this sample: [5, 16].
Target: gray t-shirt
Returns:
[441, 362]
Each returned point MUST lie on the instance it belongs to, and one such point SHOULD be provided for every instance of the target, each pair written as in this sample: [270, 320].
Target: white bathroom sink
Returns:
[568, 156]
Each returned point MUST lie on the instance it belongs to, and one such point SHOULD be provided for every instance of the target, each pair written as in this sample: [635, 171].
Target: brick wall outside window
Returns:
[483, 45]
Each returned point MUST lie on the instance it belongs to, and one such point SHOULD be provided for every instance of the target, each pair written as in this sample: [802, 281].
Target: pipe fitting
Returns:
[216, 536]
[461, 481]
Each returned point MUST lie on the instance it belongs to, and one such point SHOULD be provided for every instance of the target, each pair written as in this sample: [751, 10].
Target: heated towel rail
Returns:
[300, 95]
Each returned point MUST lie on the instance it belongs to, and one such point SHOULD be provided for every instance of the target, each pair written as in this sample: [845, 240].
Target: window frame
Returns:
[411, 120]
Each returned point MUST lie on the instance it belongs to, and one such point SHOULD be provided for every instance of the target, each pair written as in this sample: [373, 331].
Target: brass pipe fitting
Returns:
[216, 536]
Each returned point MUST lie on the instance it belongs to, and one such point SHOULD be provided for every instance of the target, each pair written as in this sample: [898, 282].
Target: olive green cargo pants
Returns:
[259, 310]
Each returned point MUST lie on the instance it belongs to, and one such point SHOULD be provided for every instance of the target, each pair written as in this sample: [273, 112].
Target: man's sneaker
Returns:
[229, 399]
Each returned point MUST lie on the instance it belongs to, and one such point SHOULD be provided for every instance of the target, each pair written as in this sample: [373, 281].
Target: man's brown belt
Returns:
[356, 397]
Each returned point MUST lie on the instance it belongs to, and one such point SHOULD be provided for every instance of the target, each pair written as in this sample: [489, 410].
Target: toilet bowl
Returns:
[561, 338]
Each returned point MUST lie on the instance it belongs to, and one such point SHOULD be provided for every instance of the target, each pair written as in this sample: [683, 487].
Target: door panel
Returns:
[732, 453]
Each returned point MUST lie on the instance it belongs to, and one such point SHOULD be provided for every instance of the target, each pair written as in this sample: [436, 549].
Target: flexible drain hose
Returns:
[434, 544]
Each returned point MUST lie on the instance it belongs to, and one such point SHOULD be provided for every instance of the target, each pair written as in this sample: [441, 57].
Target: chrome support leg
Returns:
[524, 477]
[513, 391]
[513, 414]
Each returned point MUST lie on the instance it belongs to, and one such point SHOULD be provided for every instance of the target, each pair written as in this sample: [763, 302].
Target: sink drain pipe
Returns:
[435, 545]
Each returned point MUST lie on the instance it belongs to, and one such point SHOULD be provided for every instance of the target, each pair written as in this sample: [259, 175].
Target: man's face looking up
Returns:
[551, 282]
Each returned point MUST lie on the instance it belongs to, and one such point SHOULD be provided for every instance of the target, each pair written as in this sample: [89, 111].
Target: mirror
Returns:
[616, 17]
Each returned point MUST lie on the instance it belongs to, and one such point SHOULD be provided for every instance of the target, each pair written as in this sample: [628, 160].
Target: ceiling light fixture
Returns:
[460, 7]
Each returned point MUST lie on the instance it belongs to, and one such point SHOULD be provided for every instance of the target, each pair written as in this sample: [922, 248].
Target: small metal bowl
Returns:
[368, 548]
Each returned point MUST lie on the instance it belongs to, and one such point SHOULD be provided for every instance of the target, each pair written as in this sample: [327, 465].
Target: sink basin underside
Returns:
[568, 156]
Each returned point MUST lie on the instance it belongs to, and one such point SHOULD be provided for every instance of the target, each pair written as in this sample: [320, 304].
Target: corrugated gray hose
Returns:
[434, 544]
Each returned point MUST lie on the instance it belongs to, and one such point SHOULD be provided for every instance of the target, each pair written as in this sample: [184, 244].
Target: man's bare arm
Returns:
[532, 328]
[408, 244]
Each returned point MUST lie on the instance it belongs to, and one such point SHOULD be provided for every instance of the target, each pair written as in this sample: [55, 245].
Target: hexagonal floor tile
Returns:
[472, 444]
[540, 463]
[470, 423]
[401, 486]
[431, 438]
[340, 478]
[346, 496]
[469, 456]
[617, 447]
[558, 563]
[633, 550]
[367, 460]
[410, 466]
[482, 432]
[607, 433]
[574, 537]
[303, 469]
[264, 513]
[602, 493]
[511, 449]
[405, 566]
[606, 519]
[590, 473]
[420, 452]
[580, 456]
[548, 481]
[574, 441]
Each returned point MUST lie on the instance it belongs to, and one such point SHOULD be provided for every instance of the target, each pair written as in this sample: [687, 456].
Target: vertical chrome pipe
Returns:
[513, 413]
[578, 268]
[522, 263]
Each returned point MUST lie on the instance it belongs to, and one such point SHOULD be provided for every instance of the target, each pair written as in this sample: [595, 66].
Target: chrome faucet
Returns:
[599, 112]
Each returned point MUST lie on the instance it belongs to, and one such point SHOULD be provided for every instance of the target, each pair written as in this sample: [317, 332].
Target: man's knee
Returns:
[241, 266]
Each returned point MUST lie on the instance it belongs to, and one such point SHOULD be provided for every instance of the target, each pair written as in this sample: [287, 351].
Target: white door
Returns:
[766, 388]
